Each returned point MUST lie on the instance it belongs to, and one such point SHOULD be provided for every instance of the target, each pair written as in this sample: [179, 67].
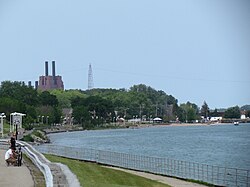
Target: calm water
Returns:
[223, 145]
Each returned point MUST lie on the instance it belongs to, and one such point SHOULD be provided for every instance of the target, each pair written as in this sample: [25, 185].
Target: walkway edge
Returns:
[42, 167]
[56, 174]
[71, 177]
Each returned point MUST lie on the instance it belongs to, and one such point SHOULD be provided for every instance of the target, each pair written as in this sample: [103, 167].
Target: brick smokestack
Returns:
[36, 85]
[54, 72]
[53, 69]
[46, 68]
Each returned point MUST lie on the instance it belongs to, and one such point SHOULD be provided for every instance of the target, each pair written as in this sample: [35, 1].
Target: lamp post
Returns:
[1, 126]
[72, 121]
[47, 120]
[38, 119]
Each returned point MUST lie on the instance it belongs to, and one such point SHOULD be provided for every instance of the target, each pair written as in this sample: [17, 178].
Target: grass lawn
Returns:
[6, 128]
[94, 175]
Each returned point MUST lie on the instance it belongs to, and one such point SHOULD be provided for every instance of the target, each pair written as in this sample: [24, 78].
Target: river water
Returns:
[220, 145]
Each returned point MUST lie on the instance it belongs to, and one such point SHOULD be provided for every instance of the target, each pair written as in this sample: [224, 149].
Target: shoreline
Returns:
[62, 129]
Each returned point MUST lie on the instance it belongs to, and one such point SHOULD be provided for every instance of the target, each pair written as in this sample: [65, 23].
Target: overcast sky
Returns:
[195, 50]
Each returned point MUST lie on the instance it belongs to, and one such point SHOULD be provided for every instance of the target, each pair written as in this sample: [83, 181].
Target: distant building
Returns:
[50, 82]
[215, 118]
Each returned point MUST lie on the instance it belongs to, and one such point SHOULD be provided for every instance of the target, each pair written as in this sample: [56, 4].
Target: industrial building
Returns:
[50, 82]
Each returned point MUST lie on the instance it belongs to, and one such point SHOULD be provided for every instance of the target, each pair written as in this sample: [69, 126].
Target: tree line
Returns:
[98, 106]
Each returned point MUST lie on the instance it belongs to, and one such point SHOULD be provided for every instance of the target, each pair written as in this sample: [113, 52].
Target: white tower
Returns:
[90, 78]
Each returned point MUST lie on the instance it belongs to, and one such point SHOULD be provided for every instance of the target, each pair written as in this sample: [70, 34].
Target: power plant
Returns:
[50, 82]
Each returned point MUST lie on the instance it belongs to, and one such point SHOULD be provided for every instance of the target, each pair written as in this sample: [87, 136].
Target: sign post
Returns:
[16, 121]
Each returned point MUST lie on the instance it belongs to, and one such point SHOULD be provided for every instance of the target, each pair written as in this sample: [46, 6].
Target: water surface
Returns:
[222, 145]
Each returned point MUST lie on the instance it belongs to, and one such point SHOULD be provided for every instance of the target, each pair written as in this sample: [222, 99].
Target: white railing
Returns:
[32, 154]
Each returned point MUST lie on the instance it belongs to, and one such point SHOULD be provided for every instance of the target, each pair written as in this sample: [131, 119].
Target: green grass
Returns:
[6, 128]
[94, 175]
[28, 138]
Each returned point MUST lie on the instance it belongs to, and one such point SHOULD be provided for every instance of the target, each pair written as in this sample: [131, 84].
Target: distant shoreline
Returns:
[61, 129]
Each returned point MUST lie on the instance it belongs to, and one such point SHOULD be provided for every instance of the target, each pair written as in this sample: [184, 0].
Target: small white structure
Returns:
[215, 118]
[16, 119]
[243, 116]
[134, 120]
[157, 120]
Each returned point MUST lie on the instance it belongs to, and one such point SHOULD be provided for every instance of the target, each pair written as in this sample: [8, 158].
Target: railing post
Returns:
[236, 177]
[97, 156]
[247, 177]
[225, 171]
[212, 173]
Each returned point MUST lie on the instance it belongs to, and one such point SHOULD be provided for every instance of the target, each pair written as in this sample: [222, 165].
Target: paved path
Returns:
[166, 180]
[14, 176]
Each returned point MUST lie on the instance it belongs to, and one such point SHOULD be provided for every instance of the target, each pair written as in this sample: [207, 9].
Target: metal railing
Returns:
[216, 175]
[32, 154]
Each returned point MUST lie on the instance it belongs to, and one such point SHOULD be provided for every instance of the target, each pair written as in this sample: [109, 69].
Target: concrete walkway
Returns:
[14, 176]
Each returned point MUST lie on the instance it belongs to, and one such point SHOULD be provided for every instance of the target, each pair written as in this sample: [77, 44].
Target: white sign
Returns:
[17, 120]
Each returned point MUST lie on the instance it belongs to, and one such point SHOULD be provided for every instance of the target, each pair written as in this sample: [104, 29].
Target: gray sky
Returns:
[195, 50]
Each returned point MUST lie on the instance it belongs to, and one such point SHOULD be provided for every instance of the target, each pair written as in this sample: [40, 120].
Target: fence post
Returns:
[212, 173]
[194, 169]
[247, 177]
[225, 171]
[236, 178]
[218, 175]
[97, 156]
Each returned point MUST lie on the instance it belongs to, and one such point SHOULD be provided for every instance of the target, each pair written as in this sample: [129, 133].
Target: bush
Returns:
[28, 138]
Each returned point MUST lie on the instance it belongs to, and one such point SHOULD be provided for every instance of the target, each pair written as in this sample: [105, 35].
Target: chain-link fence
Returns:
[216, 175]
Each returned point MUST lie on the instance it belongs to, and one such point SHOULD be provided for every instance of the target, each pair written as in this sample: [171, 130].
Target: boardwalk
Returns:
[14, 176]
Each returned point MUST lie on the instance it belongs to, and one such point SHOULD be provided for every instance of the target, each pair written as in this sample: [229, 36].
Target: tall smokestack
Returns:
[36, 85]
[46, 68]
[29, 83]
[53, 69]
[54, 72]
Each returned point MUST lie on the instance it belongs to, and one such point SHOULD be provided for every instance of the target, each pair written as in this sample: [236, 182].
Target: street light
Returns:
[38, 119]
[1, 124]
[72, 121]
[47, 120]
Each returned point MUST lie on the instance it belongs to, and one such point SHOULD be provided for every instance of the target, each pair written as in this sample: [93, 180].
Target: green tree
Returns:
[48, 99]
[19, 91]
[205, 110]
[232, 112]
[95, 108]
[189, 110]
[181, 114]
[9, 105]
[64, 97]
[215, 113]
[248, 113]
